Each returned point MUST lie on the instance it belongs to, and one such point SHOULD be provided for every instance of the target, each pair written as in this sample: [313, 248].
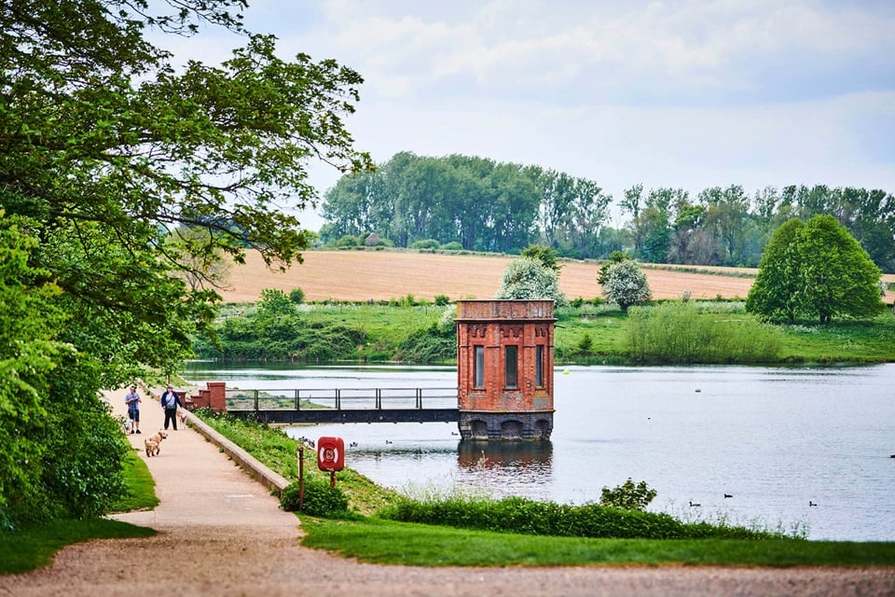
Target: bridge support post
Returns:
[505, 369]
[213, 396]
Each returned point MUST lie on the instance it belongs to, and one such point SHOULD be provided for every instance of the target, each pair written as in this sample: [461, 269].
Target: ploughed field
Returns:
[362, 275]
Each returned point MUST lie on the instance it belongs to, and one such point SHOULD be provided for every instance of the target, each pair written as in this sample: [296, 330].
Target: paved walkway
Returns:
[220, 533]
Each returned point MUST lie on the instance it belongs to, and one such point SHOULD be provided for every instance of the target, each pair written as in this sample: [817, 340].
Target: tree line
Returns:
[482, 204]
[486, 205]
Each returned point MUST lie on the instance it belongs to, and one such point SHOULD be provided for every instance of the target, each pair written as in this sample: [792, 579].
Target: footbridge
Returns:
[345, 405]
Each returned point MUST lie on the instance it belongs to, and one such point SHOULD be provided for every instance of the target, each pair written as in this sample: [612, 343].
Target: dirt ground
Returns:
[220, 533]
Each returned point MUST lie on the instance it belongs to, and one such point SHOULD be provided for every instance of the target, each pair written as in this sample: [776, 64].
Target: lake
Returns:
[774, 438]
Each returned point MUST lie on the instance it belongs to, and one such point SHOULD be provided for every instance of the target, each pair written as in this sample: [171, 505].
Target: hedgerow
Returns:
[522, 515]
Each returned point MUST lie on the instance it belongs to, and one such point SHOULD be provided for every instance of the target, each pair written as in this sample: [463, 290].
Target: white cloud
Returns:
[629, 50]
[687, 93]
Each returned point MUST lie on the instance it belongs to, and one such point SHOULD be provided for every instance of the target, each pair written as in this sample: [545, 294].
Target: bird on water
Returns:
[692, 505]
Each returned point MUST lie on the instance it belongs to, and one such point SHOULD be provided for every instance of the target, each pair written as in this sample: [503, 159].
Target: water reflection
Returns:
[515, 455]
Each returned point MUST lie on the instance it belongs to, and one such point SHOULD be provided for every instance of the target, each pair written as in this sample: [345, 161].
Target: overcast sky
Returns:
[684, 94]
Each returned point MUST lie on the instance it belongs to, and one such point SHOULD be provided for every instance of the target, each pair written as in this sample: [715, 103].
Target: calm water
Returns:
[773, 438]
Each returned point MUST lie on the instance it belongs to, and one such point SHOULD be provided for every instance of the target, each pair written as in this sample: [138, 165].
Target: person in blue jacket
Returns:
[170, 402]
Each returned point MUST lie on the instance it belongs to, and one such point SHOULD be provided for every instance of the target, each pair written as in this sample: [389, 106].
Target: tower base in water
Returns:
[518, 426]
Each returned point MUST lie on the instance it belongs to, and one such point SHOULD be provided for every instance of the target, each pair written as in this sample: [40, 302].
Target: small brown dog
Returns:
[152, 444]
[182, 416]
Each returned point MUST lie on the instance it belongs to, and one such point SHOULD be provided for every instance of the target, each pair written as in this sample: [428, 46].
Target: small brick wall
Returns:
[213, 396]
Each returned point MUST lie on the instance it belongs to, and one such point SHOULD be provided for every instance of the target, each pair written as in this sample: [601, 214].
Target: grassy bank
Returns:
[140, 486]
[587, 333]
[278, 451]
[389, 542]
[33, 547]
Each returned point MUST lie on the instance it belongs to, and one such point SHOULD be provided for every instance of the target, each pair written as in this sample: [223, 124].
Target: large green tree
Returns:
[837, 275]
[815, 269]
[777, 290]
[105, 149]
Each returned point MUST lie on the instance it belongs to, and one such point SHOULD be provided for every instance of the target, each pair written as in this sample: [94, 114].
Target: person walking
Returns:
[132, 400]
[170, 402]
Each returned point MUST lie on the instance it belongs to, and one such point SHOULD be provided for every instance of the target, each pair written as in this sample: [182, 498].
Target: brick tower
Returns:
[505, 369]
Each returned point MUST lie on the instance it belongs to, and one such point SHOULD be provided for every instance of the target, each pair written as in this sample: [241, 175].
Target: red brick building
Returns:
[505, 369]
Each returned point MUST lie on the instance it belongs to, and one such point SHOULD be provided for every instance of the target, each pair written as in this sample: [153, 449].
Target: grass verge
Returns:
[140, 486]
[387, 542]
[278, 451]
[33, 547]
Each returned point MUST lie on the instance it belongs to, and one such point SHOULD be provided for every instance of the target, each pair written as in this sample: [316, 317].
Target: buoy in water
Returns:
[565, 371]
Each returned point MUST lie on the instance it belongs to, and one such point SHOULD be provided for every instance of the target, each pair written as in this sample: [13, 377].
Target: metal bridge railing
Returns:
[239, 399]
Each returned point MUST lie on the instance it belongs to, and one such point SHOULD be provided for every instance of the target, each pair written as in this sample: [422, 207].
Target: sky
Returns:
[682, 94]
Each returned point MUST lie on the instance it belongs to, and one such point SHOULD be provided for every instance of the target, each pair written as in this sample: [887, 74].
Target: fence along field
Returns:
[362, 275]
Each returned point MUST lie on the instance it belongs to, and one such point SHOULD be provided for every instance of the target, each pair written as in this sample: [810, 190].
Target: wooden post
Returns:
[301, 476]
[332, 478]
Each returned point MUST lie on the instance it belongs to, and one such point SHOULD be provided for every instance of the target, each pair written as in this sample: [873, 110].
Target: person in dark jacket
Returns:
[170, 402]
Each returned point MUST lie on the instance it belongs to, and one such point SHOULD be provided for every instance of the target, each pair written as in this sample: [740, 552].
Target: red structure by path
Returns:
[505, 369]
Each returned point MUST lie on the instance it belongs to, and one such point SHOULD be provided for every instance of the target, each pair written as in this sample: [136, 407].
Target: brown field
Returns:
[361, 275]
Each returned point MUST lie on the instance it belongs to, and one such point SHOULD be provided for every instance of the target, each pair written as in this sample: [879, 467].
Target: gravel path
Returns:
[221, 534]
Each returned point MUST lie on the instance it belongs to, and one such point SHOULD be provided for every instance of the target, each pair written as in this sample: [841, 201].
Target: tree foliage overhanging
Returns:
[490, 206]
[106, 150]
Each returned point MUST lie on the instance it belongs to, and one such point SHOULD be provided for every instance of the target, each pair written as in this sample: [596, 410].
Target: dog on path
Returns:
[152, 444]
[151, 447]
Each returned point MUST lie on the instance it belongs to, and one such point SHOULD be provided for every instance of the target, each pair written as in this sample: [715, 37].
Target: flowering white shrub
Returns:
[446, 323]
[626, 284]
[528, 278]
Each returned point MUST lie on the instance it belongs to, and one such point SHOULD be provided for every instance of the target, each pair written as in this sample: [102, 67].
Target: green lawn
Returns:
[140, 486]
[386, 327]
[34, 547]
[380, 541]
[842, 341]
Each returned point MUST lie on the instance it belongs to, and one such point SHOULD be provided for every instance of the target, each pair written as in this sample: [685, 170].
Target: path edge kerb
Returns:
[275, 482]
